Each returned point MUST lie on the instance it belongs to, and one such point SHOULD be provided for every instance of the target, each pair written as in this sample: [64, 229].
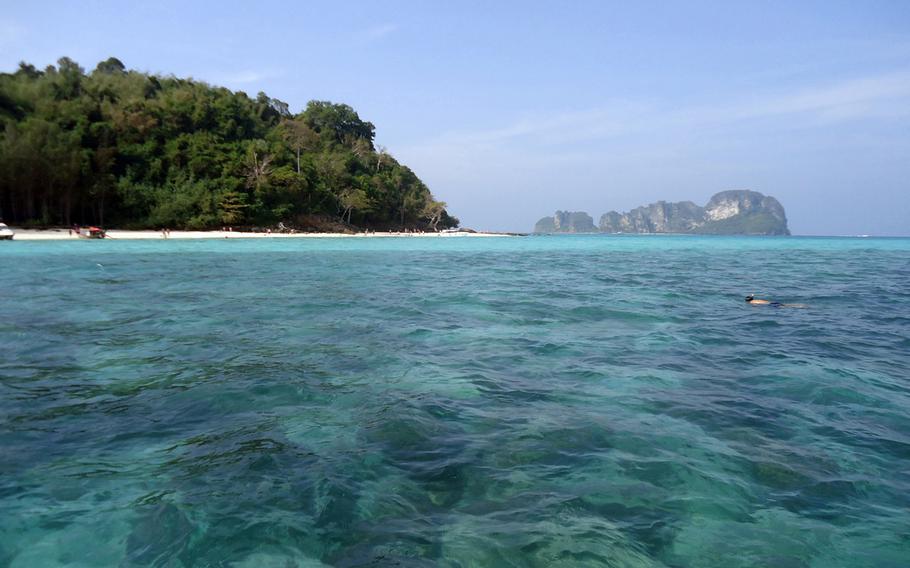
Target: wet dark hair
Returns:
[750, 297]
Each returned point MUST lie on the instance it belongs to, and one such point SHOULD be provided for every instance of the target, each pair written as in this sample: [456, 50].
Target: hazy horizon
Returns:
[512, 111]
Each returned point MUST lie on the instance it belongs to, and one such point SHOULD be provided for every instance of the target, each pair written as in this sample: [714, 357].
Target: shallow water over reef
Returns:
[539, 401]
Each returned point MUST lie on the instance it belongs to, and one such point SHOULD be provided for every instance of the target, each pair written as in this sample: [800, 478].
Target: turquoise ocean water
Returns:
[539, 401]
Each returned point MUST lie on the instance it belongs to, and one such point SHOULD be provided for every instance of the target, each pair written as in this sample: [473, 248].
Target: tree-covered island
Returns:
[117, 147]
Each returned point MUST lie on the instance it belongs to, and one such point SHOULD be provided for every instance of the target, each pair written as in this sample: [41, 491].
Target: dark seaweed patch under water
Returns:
[571, 401]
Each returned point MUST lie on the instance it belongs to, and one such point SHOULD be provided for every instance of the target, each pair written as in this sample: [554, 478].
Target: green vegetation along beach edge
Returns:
[122, 148]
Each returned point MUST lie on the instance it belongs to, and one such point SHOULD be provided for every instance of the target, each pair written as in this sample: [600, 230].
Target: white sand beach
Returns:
[65, 234]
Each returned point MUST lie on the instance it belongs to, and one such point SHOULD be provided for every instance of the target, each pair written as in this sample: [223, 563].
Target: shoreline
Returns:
[115, 234]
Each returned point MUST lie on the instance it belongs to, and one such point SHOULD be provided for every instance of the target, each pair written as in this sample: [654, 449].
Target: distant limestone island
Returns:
[735, 212]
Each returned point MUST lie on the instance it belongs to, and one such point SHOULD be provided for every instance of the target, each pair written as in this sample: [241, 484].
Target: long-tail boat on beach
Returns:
[90, 233]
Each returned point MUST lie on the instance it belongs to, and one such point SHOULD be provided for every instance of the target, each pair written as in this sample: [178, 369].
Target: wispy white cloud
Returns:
[245, 77]
[869, 97]
[850, 99]
[380, 31]
[554, 128]
[11, 32]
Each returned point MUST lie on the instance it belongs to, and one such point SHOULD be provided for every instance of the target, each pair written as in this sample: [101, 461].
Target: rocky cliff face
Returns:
[744, 212]
[737, 212]
[660, 217]
[566, 222]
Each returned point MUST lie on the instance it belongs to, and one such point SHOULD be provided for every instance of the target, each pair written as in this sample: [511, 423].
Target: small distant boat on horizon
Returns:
[6, 234]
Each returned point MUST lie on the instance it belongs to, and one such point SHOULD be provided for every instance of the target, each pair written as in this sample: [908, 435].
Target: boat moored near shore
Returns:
[6, 234]
[90, 233]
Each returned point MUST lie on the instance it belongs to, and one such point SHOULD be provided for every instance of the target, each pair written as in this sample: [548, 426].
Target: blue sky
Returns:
[511, 110]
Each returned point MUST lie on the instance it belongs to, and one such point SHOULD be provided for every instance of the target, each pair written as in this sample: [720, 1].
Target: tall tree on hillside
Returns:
[335, 122]
[69, 78]
[232, 206]
[433, 211]
[353, 199]
[258, 166]
[111, 65]
[299, 136]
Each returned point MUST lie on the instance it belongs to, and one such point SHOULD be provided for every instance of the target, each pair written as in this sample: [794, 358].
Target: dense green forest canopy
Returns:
[123, 148]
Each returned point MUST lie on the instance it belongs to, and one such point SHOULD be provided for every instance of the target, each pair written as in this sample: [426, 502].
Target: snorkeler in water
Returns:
[751, 299]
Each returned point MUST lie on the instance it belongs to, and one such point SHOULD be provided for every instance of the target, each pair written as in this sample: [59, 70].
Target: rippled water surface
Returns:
[539, 401]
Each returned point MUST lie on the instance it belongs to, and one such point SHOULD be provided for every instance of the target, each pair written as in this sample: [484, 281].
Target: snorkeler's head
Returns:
[750, 297]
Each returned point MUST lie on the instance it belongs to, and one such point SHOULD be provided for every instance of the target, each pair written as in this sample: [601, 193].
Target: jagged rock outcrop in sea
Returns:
[735, 212]
[566, 222]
